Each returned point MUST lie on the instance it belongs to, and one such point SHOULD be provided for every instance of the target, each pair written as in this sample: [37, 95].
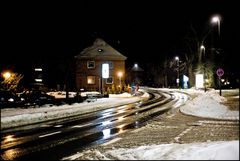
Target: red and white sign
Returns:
[220, 72]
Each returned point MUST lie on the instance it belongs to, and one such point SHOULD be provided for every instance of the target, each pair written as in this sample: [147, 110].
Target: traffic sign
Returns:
[220, 72]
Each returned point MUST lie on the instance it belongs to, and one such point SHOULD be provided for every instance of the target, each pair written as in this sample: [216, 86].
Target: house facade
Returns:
[89, 67]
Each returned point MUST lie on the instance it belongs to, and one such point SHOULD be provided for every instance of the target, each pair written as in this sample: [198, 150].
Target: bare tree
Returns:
[11, 83]
[195, 60]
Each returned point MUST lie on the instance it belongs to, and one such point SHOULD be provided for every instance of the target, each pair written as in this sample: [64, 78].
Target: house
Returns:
[89, 67]
[136, 74]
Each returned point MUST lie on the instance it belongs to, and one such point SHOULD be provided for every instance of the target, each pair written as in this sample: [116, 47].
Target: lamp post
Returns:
[177, 59]
[6, 75]
[204, 67]
[120, 81]
[216, 20]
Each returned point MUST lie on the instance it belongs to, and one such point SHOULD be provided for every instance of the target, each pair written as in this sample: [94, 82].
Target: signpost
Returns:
[220, 73]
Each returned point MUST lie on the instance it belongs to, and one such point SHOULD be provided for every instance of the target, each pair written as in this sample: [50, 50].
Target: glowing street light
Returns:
[216, 20]
[177, 59]
[7, 75]
[202, 47]
[204, 67]
[120, 74]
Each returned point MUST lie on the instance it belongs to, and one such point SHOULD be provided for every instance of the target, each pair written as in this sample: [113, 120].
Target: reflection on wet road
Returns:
[54, 140]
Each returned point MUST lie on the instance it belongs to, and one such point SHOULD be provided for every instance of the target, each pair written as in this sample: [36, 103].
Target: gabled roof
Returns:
[100, 50]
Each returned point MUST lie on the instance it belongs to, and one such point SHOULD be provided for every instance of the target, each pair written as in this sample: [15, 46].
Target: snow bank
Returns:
[209, 105]
[13, 117]
[219, 150]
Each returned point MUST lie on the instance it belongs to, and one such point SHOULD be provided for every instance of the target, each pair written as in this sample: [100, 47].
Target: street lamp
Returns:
[177, 59]
[7, 75]
[120, 74]
[216, 20]
[204, 67]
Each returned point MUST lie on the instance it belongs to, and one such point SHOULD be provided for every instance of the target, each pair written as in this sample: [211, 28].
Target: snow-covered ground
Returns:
[218, 150]
[204, 105]
[209, 105]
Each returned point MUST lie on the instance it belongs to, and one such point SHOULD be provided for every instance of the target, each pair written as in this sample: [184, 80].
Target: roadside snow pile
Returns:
[61, 94]
[218, 150]
[13, 117]
[123, 95]
[215, 95]
[208, 105]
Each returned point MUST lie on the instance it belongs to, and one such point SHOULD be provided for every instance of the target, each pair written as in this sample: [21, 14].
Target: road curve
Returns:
[52, 141]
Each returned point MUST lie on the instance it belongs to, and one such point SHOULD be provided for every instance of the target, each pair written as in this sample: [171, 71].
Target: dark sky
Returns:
[142, 30]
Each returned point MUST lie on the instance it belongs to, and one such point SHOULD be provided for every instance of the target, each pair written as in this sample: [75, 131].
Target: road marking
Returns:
[73, 157]
[137, 130]
[79, 126]
[176, 139]
[45, 125]
[41, 136]
[112, 141]
[58, 126]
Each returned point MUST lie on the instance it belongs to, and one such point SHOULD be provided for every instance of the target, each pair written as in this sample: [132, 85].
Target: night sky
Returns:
[144, 31]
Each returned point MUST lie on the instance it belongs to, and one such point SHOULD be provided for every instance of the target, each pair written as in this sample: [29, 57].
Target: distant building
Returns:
[89, 67]
[135, 75]
[37, 80]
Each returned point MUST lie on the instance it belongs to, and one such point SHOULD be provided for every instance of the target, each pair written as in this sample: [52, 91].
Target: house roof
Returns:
[100, 50]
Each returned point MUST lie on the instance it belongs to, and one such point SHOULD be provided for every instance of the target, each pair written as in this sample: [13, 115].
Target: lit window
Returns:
[38, 69]
[38, 80]
[90, 79]
[90, 64]
[100, 50]
[109, 80]
[110, 64]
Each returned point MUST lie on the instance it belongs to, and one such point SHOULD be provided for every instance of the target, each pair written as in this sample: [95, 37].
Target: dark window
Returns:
[109, 80]
[90, 64]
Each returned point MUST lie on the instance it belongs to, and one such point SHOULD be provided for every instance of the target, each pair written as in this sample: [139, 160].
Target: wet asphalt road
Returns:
[55, 140]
